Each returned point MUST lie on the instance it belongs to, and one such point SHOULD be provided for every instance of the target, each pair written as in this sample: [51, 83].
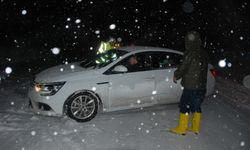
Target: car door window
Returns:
[165, 60]
[136, 62]
[144, 62]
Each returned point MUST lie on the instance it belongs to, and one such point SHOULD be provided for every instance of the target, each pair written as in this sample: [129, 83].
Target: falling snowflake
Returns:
[55, 133]
[24, 12]
[119, 39]
[242, 143]
[33, 133]
[8, 70]
[112, 26]
[97, 32]
[154, 92]
[72, 66]
[93, 88]
[55, 50]
[68, 19]
[67, 26]
[78, 21]
[222, 63]
[138, 101]
[241, 38]
[8, 59]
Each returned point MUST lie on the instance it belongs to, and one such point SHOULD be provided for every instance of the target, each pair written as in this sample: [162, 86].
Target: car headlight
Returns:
[48, 89]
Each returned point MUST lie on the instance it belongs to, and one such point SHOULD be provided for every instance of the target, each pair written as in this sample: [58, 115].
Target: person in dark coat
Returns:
[193, 74]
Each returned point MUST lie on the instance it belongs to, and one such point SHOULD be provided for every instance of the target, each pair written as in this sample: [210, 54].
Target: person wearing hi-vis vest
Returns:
[104, 47]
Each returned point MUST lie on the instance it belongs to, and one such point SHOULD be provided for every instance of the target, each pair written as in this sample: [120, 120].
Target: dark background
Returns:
[26, 40]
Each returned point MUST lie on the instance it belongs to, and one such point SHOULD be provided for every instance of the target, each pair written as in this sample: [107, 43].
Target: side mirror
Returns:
[120, 69]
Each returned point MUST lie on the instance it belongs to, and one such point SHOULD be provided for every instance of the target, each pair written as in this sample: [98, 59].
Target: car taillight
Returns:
[213, 72]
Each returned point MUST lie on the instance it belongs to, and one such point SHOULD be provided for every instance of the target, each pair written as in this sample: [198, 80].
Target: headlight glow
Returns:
[38, 87]
[48, 89]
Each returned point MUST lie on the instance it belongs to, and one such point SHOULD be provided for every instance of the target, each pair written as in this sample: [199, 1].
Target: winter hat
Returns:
[193, 41]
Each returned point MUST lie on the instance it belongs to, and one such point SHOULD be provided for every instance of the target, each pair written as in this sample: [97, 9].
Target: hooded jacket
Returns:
[193, 69]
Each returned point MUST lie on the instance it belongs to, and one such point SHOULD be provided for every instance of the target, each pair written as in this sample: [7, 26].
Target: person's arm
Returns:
[181, 69]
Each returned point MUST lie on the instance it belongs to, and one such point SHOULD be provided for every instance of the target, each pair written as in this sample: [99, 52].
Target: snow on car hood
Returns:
[62, 73]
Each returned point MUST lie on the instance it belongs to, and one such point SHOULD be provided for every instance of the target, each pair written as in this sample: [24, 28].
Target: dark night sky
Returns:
[142, 22]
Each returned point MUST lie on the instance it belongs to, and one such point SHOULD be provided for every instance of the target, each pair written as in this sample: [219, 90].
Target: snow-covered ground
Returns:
[225, 125]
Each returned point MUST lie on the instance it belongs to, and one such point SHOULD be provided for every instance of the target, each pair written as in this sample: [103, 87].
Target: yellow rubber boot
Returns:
[183, 125]
[195, 128]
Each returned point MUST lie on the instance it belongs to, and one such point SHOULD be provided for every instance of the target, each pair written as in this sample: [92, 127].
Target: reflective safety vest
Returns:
[105, 46]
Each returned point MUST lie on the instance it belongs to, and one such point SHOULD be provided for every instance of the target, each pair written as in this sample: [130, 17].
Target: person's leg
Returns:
[197, 99]
[185, 102]
[184, 114]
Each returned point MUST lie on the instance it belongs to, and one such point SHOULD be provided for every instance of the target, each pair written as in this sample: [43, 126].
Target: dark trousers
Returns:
[191, 100]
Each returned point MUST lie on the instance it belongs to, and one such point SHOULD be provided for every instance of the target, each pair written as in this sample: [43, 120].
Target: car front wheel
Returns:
[82, 107]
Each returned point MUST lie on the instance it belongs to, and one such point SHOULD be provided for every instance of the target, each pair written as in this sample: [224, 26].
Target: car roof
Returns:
[147, 48]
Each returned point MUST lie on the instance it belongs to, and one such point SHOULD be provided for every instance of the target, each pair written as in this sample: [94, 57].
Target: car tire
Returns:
[82, 106]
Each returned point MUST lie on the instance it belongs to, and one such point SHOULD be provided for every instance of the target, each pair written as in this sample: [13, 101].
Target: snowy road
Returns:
[225, 125]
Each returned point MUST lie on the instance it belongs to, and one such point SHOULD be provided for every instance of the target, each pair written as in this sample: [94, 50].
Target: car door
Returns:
[167, 90]
[133, 88]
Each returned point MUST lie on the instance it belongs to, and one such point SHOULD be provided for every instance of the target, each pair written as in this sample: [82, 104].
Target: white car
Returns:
[106, 83]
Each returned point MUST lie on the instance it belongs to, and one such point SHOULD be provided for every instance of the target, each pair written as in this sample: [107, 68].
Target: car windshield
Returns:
[102, 59]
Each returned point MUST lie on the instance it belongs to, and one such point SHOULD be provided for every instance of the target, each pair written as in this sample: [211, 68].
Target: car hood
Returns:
[63, 73]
